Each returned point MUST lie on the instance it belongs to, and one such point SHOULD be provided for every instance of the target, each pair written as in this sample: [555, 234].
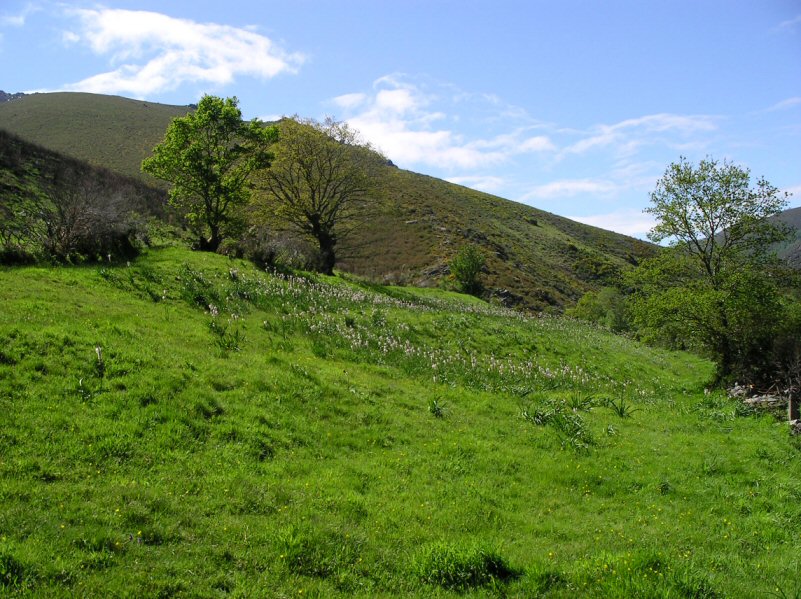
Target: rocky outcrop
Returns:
[782, 405]
[6, 97]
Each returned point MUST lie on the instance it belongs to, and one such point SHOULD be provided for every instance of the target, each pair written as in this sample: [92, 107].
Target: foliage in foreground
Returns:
[190, 426]
[718, 282]
[717, 289]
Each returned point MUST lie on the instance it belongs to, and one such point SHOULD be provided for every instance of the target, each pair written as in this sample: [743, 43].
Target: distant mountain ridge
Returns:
[535, 260]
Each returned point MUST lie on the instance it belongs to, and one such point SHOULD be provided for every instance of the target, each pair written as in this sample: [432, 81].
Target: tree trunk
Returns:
[327, 255]
[212, 243]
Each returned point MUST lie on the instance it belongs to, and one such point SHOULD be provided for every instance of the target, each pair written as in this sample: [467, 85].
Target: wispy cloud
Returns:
[790, 24]
[415, 125]
[18, 19]
[785, 104]
[628, 222]
[350, 101]
[488, 183]
[566, 188]
[153, 52]
[627, 137]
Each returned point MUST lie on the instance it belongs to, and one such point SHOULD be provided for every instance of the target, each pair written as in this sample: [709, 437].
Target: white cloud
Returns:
[516, 143]
[399, 117]
[627, 137]
[398, 101]
[488, 183]
[12, 20]
[540, 143]
[627, 222]
[350, 101]
[667, 122]
[155, 52]
[790, 24]
[785, 104]
[18, 19]
[566, 188]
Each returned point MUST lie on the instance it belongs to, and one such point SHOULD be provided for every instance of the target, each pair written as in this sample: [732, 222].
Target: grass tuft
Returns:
[460, 567]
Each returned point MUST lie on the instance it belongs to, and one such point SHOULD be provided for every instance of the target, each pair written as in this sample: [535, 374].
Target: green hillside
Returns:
[188, 426]
[27, 168]
[57, 207]
[790, 250]
[108, 131]
[536, 260]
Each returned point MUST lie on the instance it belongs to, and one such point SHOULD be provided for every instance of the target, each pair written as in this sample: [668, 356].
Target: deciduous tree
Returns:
[323, 183]
[715, 288]
[209, 156]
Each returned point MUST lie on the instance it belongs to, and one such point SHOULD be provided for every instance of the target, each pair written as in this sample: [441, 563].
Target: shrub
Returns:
[276, 251]
[436, 408]
[621, 408]
[569, 426]
[606, 308]
[466, 267]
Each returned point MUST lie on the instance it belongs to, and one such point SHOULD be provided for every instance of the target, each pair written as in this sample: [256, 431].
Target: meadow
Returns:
[186, 425]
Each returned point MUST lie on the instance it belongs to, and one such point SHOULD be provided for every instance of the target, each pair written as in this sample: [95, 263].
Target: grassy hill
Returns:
[27, 168]
[536, 260]
[188, 426]
[108, 131]
[49, 200]
[790, 250]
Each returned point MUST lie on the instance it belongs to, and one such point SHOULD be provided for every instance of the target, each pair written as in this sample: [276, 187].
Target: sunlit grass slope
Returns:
[188, 426]
[109, 131]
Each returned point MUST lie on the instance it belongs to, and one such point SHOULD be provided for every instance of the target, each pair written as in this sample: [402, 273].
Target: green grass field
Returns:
[188, 426]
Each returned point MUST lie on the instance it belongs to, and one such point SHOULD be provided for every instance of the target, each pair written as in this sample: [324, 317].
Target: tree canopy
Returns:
[323, 183]
[209, 156]
[712, 212]
[715, 288]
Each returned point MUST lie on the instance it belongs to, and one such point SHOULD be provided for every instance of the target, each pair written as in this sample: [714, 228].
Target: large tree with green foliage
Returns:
[715, 288]
[323, 183]
[209, 156]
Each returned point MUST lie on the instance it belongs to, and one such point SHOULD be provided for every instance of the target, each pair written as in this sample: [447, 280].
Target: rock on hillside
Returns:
[7, 97]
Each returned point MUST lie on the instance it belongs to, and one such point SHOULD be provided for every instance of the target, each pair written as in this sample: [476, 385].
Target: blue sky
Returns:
[575, 107]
